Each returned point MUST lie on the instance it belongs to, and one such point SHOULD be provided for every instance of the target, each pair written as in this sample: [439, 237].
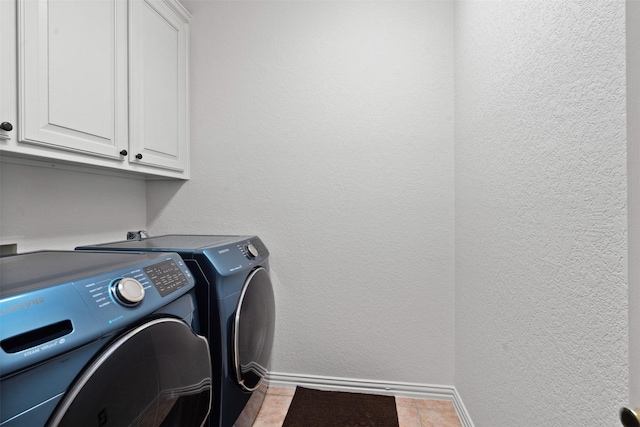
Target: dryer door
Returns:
[158, 374]
[253, 329]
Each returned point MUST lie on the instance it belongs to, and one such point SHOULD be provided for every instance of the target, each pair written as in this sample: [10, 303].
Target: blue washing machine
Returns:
[100, 339]
[236, 305]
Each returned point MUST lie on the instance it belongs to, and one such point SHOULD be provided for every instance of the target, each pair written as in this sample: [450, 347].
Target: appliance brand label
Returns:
[21, 306]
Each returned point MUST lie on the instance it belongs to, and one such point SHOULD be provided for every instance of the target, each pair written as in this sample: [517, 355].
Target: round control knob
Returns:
[251, 251]
[128, 291]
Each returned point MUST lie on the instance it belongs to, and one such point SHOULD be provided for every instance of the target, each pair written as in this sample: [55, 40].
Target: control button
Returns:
[128, 291]
[251, 251]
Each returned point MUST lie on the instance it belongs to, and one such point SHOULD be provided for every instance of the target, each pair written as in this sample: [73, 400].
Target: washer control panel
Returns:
[68, 302]
[114, 296]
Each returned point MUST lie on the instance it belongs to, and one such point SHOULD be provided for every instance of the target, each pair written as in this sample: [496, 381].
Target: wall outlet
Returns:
[8, 249]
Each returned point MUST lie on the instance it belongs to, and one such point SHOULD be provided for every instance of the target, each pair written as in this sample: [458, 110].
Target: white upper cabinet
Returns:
[73, 75]
[158, 66]
[102, 83]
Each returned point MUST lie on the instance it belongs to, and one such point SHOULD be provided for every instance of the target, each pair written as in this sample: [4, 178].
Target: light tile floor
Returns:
[411, 412]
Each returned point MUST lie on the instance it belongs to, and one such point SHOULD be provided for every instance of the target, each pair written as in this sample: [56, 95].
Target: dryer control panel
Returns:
[239, 256]
[53, 302]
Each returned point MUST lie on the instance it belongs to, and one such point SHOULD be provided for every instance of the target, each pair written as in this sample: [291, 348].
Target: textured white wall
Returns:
[541, 292]
[44, 207]
[327, 129]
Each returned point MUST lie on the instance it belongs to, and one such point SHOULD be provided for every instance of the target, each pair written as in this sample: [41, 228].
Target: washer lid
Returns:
[172, 242]
[228, 254]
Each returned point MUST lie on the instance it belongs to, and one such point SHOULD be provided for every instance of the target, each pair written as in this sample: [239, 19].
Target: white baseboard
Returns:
[414, 390]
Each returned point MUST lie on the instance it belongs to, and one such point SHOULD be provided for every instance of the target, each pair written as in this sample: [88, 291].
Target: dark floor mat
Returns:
[316, 408]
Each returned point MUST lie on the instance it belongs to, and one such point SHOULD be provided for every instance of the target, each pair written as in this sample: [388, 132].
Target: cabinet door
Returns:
[73, 75]
[158, 91]
[8, 80]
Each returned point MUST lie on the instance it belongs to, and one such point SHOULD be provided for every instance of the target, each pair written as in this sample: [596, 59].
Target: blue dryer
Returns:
[236, 306]
[100, 339]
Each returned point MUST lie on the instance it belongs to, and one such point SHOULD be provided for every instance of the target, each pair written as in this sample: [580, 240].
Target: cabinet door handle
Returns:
[124, 152]
[6, 126]
[139, 156]
[629, 417]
